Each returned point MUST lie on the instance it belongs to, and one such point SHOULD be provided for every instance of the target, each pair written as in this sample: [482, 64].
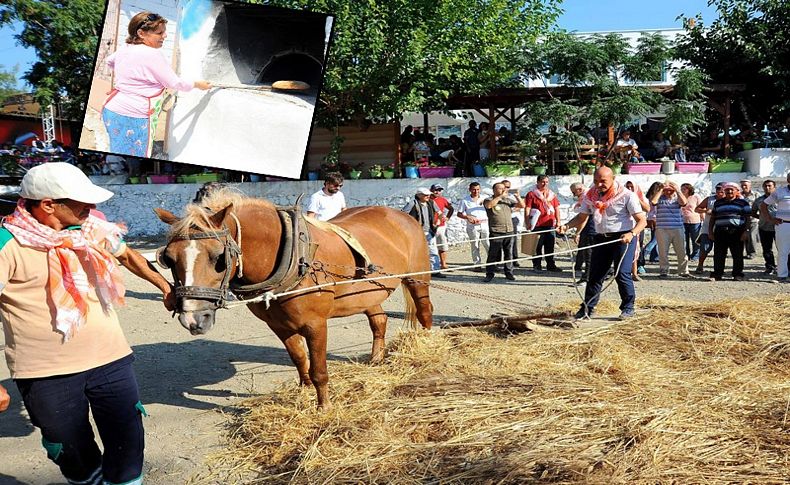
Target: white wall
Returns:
[134, 204]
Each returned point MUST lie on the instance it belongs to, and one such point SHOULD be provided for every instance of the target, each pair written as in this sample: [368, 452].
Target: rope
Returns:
[502, 237]
[269, 296]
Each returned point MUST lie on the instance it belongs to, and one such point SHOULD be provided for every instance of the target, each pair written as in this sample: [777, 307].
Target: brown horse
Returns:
[228, 234]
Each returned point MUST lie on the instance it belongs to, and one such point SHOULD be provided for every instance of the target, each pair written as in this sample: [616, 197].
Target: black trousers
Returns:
[500, 249]
[728, 241]
[767, 242]
[545, 246]
[59, 406]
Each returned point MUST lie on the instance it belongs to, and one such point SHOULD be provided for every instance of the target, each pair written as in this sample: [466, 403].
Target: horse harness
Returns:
[297, 253]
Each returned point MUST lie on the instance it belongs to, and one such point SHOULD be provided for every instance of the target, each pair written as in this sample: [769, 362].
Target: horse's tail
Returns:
[410, 313]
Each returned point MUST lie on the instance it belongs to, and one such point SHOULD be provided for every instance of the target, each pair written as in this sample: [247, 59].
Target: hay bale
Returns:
[685, 393]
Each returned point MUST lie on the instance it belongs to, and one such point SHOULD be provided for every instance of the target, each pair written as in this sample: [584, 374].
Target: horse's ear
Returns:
[165, 216]
[218, 217]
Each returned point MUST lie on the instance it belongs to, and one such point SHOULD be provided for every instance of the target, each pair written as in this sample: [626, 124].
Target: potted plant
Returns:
[410, 170]
[376, 171]
[574, 167]
[588, 168]
[388, 172]
[355, 173]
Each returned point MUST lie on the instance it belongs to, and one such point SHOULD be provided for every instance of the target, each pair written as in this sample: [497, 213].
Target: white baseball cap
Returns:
[423, 191]
[60, 180]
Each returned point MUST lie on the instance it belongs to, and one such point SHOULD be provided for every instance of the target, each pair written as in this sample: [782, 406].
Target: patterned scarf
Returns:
[601, 202]
[545, 200]
[77, 260]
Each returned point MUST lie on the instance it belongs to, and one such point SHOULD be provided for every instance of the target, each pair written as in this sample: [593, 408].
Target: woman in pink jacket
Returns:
[142, 74]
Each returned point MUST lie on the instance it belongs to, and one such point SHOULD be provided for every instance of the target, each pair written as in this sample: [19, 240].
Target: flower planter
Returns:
[388, 174]
[161, 179]
[354, 174]
[634, 168]
[197, 178]
[312, 175]
[616, 169]
[509, 170]
[692, 167]
[436, 172]
[135, 180]
[588, 169]
[726, 167]
[539, 170]
[478, 170]
[411, 172]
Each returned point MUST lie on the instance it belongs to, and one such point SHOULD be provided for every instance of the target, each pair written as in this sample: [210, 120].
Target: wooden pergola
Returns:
[503, 102]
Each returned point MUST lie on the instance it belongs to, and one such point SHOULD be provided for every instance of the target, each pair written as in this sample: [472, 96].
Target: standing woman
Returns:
[142, 74]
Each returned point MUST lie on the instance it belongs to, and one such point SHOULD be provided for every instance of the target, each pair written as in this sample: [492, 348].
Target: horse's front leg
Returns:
[315, 335]
[378, 325]
[294, 344]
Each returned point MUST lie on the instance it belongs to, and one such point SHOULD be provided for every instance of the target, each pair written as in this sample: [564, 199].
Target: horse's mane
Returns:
[196, 214]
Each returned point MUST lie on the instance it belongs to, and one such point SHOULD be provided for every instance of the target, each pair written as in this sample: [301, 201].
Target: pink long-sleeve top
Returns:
[140, 73]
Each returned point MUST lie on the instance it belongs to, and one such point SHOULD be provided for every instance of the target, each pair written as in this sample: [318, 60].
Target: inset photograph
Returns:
[211, 83]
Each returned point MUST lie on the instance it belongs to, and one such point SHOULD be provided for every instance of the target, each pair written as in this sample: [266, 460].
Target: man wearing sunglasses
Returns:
[329, 201]
[60, 287]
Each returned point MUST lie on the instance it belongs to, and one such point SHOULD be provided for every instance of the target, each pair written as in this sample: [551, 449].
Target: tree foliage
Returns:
[8, 82]
[393, 56]
[605, 75]
[64, 34]
[749, 43]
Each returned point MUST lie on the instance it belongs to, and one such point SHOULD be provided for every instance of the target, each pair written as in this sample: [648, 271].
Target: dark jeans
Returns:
[500, 249]
[767, 242]
[692, 233]
[545, 246]
[59, 406]
[727, 240]
[602, 259]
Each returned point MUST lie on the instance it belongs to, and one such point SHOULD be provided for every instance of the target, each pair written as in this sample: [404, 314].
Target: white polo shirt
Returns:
[619, 216]
[326, 206]
[780, 197]
[475, 209]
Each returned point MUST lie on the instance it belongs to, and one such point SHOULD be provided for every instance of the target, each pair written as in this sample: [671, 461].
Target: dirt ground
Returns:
[186, 381]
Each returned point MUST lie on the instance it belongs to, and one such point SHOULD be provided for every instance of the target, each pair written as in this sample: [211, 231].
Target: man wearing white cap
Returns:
[424, 211]
[59, 289]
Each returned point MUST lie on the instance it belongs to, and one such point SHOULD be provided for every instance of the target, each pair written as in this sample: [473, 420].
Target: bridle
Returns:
[218, 296]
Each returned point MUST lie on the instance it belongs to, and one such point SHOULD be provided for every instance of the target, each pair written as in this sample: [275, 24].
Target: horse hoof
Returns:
[324, 408]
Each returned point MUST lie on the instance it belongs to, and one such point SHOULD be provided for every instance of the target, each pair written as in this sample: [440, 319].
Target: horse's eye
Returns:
[219, 265]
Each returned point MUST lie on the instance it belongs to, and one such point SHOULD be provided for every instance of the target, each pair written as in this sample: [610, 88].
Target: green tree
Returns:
[604, 75]
[393, 56]
[8, 82]
[64, 34]
[749, 43]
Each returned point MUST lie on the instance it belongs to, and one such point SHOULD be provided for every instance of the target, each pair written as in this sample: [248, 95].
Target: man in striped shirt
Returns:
[669, 228]
[729, 226]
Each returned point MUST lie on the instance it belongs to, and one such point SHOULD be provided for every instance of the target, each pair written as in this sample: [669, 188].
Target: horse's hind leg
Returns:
[378, 325]
[315, 334]
[419, 291]
[294, 344]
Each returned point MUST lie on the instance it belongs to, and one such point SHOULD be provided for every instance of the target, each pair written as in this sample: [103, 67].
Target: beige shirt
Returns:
[33, 347]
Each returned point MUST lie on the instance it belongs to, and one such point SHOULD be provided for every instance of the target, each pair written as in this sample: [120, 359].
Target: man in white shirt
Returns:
[618, 218]
[627, 148]
[781, 197]
[472, 211]
[329, 201]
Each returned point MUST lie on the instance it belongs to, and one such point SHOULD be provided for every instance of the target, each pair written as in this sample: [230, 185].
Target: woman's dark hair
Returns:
[656, 186]
[688, 187]
[146, 21]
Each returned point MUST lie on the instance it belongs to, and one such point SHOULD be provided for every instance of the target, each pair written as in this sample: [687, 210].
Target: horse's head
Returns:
[202, 255]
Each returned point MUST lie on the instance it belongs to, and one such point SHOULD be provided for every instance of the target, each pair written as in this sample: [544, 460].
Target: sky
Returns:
[607, 15]
[580, 15]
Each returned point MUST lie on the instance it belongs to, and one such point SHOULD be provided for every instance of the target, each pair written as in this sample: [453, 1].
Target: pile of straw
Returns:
[685, 393]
